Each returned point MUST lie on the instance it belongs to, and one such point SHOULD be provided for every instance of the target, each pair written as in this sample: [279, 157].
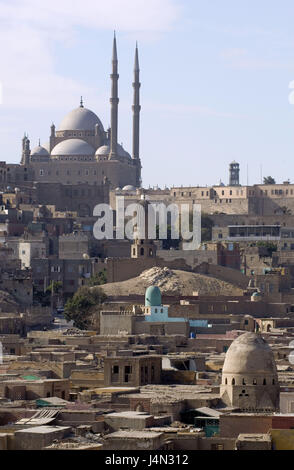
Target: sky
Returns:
[217, 81]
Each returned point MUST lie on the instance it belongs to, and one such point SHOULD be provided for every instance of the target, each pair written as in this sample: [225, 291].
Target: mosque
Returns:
[249, 375]
[80, 151]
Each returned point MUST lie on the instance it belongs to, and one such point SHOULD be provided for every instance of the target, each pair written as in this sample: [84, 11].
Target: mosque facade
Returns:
[80, 151]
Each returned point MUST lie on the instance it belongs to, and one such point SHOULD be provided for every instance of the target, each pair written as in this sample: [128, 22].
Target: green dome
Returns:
[256, 294]
[153, 297]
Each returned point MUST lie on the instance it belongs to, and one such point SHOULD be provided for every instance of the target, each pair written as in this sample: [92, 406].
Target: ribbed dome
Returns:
[103, 151]
[40, 151]
[73, 147]
[249, 353]
[80, 119]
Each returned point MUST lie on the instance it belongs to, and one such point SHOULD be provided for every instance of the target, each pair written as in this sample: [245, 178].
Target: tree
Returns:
[206, 228]
[269, 180]
[79, 308]
[54, 288]
[99, 279]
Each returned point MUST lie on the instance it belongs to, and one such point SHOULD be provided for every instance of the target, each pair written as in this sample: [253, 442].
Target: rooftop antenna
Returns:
[81, 103]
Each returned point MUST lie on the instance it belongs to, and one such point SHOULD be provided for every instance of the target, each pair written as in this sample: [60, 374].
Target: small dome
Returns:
[73, 147]
[129, 188]
[103, 151]
[249, 354]
[40, 151]
[153, 297]
[256, 294]
[80, 119]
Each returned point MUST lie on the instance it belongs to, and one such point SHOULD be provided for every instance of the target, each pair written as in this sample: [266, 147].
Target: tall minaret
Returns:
[136, 107]
[114, 101]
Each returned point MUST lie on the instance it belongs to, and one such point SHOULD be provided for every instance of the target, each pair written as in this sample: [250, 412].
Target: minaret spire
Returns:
[136, 107]
[81, 103]
[114, 100]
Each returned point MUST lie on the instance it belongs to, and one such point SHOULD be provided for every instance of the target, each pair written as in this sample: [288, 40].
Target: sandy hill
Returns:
[172, 282]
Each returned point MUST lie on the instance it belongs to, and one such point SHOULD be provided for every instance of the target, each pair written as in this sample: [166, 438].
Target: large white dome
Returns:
[80, 119]
[73, 147]
[249, 353]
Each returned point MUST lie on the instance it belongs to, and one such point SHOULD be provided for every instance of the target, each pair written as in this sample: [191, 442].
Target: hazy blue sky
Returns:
[215, 80]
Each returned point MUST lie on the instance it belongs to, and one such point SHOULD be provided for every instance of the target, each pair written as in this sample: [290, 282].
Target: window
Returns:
[41, 172]
[115, 369]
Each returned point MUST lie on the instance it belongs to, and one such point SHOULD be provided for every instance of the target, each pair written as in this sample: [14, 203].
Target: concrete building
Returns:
[132, 371]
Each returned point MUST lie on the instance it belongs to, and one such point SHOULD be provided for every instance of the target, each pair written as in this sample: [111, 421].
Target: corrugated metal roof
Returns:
[40, 418]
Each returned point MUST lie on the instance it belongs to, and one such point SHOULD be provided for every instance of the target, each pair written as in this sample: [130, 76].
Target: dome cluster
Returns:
[77, 131]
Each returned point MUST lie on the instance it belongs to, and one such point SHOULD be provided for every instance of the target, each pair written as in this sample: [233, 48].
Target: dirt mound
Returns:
[172, 282]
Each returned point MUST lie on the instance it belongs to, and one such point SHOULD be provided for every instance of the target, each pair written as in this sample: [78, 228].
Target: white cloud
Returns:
[29, 29]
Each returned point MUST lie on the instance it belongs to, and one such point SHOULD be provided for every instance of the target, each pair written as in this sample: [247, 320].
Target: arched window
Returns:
[273, 381]
[243, 382]
[233, 382]
[142, 251]
[226, 381]
[264, 381]
[254, 382]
